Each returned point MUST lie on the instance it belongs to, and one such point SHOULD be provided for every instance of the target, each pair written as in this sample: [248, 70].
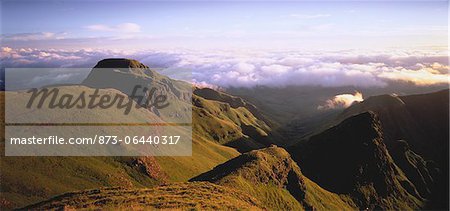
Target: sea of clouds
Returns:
[269, 68]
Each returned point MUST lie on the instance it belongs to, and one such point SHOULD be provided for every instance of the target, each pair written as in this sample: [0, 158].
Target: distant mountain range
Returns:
[387, 152]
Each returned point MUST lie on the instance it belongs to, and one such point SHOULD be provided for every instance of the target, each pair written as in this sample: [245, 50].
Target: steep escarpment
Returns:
[351, 158]
[422, 122]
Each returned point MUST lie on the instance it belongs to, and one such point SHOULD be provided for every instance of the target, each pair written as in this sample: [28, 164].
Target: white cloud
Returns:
[243, 68]
[251, 68]
[119, 28]
[275, 69]
[341, 101]
[6, 49]
[426, 76]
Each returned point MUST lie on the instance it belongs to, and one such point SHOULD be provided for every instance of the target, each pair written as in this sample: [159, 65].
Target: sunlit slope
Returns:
[275, 180]
[179, 196]
[31, 179]
[76, 173]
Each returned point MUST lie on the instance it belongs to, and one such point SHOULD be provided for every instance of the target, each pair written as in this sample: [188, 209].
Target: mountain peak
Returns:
[121, 67]
[120, 63]
[136, 79]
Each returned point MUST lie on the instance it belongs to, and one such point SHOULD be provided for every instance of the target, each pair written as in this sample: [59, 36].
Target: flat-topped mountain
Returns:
[108, 68]
[134, 78]
[120, 63]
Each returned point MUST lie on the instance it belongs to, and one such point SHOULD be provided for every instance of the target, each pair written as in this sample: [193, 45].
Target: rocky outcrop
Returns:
[275, 179]
[270, 165]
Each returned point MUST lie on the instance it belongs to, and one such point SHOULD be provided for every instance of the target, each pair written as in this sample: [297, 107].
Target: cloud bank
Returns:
[253, 68]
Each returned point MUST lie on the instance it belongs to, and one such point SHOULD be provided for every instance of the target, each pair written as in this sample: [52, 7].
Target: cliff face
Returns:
[420, 120]
[422, 123]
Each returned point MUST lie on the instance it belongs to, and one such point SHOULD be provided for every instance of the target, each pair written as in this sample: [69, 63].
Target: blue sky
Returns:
[223, 25]
[334, 43]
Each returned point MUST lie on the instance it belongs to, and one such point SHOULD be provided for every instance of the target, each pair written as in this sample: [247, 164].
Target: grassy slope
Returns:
[270, 195]
[198, 195]
[271, 176]
[322, 199]
[280, 199]
[30, 179]
[25, 180]
[205, 155]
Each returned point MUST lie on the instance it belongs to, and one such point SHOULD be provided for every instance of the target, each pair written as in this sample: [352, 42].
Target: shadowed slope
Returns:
[351, 158]
[422, 121]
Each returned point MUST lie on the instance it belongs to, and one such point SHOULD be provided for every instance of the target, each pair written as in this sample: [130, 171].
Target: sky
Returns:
[236, 43]
[224, 25]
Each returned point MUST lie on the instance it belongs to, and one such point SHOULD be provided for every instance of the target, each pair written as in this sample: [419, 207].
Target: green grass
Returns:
[29, 179]
[270, 195]
[271, 176]
[26, 180]
[322, 199]
[205, 156]
[179, 196]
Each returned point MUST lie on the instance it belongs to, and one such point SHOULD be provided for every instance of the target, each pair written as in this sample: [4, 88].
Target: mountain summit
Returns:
[108, 68]
[134, 78]
[120, 63]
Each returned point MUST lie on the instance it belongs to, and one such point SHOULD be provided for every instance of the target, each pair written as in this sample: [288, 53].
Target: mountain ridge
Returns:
[351, 158]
